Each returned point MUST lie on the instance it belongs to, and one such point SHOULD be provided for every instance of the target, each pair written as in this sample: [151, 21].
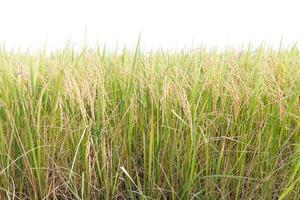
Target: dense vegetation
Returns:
[200, 124]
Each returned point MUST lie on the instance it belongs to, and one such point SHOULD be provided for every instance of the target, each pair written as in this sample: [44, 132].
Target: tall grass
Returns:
[198, 124]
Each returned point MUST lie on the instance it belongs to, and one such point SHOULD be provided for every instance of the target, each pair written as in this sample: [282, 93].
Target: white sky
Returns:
[163, 23]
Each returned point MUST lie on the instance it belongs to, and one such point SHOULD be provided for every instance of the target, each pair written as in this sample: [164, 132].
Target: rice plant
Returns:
[130, 124]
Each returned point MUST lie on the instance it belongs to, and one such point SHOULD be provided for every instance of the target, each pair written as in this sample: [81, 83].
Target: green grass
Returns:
[200, 124]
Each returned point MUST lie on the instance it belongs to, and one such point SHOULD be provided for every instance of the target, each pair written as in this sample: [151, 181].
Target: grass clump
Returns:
[162, 125]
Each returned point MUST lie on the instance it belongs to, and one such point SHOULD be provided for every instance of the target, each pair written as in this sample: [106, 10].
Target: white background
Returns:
[162, 23]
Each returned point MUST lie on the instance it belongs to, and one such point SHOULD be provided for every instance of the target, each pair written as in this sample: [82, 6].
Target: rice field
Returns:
[131, 124]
